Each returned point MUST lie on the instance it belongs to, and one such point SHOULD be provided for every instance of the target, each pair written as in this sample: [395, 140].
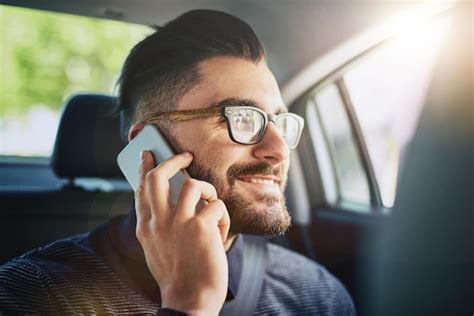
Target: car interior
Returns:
[66, 207]
[396, 229]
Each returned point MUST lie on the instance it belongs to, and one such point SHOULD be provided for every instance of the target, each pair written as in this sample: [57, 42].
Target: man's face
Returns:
[250, 179]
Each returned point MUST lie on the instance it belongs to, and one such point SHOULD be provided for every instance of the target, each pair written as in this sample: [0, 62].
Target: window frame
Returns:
[309, 155]
[39, 159]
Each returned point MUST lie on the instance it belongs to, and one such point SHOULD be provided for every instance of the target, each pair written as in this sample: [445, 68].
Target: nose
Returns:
[272, 148]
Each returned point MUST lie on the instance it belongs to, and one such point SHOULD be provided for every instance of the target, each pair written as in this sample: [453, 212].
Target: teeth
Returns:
[261, 181]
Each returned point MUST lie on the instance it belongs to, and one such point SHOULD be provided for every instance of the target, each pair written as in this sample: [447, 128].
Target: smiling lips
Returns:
[261, 179]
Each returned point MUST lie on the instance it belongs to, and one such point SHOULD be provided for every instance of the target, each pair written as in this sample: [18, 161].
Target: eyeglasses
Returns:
[246, 124]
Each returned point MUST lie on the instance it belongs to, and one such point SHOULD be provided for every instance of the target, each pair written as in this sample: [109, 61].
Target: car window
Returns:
[46, 57]
[368, 111]
[349, 174]
[387, 90]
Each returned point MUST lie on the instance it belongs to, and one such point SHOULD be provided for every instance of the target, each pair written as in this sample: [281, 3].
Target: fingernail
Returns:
[187, 154]
[142, 155]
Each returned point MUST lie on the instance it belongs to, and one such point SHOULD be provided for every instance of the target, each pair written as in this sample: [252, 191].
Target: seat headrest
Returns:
[88, 138]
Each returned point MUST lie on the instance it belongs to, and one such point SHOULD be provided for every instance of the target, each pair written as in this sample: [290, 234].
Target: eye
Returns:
[219, 122]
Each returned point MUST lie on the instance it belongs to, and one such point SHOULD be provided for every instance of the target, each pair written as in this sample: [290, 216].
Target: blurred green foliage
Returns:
[47, 56]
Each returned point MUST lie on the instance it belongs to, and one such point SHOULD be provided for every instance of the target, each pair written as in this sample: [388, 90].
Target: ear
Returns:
[134, 130]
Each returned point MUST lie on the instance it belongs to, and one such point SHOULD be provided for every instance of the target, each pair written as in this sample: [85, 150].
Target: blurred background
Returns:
[46, 57]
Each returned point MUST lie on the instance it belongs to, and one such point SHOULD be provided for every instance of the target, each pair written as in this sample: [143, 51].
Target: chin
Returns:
[259, 218]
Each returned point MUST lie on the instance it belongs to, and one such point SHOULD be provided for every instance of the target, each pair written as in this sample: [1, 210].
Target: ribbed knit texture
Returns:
[68, 277]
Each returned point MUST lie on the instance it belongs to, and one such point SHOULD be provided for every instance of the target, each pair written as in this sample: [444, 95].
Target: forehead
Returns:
[234, 78]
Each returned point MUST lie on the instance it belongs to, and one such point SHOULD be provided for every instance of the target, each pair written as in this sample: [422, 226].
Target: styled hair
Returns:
[163, 67]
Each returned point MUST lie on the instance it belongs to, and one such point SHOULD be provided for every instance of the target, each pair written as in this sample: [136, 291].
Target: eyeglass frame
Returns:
[225, 112]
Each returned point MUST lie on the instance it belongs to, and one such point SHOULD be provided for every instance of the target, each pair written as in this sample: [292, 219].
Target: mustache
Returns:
[261, 168]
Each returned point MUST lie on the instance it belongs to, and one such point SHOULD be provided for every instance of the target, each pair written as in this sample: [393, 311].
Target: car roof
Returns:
[295, 33]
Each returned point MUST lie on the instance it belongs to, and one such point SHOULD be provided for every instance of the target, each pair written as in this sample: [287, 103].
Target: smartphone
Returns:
[149, 138]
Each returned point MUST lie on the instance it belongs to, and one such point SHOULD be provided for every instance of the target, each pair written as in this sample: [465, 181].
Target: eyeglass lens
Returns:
[289, 129]
[247, 127]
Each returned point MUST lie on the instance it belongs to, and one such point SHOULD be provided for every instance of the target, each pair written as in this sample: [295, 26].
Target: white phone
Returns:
[149, 138]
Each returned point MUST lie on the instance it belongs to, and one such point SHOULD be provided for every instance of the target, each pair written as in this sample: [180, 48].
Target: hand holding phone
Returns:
[152, 140]
[184, 249]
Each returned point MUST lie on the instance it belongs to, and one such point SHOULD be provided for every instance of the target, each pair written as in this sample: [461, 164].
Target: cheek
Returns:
[211, 146]
[220, 156]
[217, 159]
[199, 136]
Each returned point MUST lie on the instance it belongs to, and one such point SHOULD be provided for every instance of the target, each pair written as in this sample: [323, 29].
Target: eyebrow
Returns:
[243, 102]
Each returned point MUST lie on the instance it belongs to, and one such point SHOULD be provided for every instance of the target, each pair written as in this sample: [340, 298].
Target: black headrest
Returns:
[88, 138]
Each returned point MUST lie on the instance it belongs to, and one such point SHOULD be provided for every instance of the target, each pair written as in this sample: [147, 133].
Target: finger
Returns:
[158, 186]
[191, 193]
[215, 213]
[142, 208]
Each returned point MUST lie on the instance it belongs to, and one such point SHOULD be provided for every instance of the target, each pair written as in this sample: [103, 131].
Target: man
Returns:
[172, 259]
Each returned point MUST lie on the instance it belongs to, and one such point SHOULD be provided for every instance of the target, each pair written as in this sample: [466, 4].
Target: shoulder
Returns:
[35, 281]
[68, 253]
[289, 265]
[66, 277]
[296, 281]
[292, 267]
[26, 282]
[60, 249]
[20, 287]
[47, 257]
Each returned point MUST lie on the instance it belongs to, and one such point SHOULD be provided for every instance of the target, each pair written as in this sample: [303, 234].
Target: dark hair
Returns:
[163, 67]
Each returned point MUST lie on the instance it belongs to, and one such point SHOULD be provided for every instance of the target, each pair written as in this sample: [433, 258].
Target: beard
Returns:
[255, 214]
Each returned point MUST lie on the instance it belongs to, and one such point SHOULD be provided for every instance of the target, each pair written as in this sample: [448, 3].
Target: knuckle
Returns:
[141, 232]
[190, 184]
[149, 176]
[200, 224]
[156, 224]
[153, 175]
[138, 191]
[219, 203]
[212, 188]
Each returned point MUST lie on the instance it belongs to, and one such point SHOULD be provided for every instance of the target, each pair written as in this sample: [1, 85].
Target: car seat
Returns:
[92, 188]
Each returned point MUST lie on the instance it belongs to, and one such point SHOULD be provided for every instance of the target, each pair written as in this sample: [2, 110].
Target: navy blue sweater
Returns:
[104, 272]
